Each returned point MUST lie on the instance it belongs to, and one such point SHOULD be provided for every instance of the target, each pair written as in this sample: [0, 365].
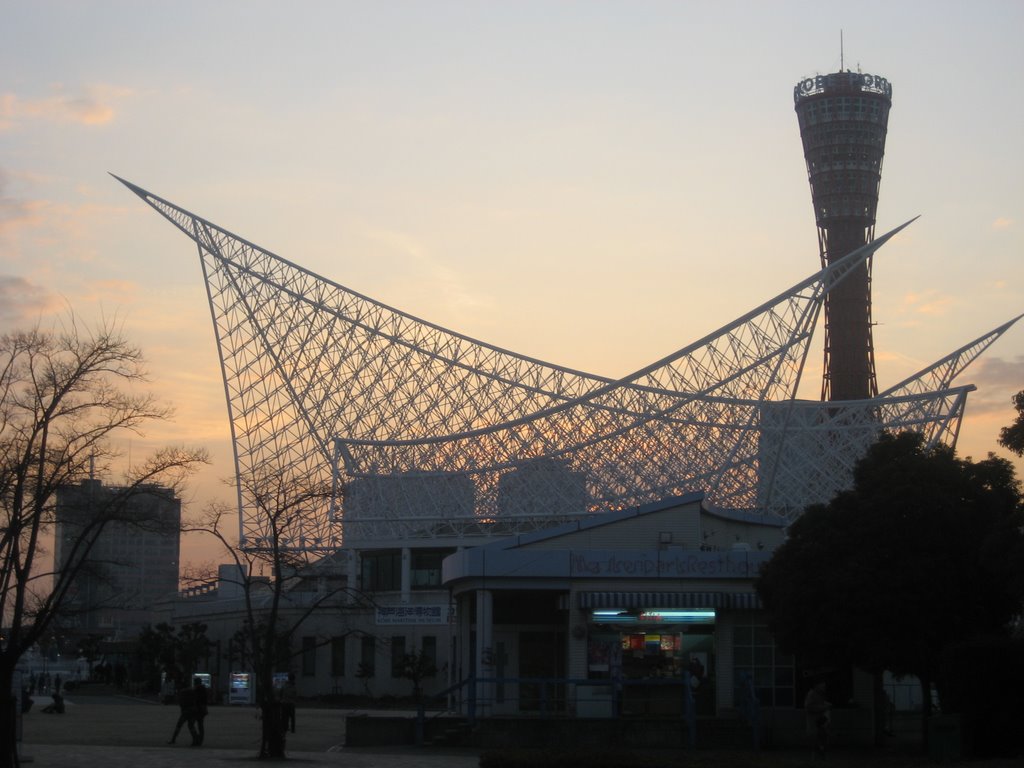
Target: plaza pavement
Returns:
[121, 732]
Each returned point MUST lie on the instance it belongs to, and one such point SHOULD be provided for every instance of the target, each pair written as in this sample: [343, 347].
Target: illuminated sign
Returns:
[653, 616]
[837, 80]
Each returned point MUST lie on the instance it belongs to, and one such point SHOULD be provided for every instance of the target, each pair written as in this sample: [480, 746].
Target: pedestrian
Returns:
[56, 707]
[289, 695]
[201, 701]
[817, 712]
[187, 713]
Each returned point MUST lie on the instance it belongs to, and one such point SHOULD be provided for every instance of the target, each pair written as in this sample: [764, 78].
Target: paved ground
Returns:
[119, 732]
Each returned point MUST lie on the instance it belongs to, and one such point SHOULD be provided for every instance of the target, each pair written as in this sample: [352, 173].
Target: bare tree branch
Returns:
[65, 395]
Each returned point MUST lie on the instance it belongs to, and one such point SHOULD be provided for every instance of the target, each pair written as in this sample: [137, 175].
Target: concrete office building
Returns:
[134, 562]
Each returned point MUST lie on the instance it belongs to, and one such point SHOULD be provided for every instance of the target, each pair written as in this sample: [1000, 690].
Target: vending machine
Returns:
[240, 688]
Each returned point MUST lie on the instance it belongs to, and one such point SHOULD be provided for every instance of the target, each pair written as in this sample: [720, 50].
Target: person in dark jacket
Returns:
[187, 715]
[289, 697]
[201, 700]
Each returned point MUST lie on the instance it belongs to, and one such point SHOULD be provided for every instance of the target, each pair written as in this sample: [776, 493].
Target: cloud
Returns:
[997, 380]
[998, 372]
[930, 303]
[92, 106]
[421, 267]
[1002, 223]
[15, 212]
[22, 303]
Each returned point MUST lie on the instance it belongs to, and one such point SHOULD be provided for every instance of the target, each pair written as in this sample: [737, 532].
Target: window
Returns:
[337, 657]
[426, 567]
[428, 648]
[755, 657]
[309, 656]
[397, 654]
[367, 667]
[381, 570]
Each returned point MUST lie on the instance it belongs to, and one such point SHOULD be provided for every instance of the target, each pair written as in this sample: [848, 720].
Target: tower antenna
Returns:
[840, 50]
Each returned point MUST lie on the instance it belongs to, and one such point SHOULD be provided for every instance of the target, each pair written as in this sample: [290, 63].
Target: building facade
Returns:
[630, 605]
[132, 565]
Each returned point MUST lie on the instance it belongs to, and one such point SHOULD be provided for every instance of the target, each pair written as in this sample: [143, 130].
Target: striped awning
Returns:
[721, 600]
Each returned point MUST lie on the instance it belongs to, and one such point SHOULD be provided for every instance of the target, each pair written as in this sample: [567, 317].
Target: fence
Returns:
[481, 698]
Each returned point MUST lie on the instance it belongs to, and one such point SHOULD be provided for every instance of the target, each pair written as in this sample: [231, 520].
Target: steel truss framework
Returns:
[430, 434]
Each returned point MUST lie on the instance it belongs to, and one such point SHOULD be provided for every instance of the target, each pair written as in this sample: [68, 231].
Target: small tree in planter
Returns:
[416, 666]
[365, 673]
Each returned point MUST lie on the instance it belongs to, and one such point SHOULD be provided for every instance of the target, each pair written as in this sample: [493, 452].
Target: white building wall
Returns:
[725, 680]
[677, 526]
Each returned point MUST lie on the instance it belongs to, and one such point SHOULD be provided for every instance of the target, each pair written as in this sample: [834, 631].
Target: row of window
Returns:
[761, 668]
[381, 570]
[845, 104]
[367, 666]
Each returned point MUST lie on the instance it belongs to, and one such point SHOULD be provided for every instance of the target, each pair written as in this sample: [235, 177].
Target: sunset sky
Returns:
[595, 184]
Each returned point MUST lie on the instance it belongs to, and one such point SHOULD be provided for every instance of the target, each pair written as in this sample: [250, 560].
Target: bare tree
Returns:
[65, 395]
[281, 587]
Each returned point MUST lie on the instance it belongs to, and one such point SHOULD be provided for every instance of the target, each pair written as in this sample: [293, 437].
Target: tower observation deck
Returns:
[843, 120]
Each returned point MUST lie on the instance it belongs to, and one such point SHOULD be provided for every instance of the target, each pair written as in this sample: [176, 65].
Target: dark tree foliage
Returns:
[174, 653]
[416, 667]
[1012, 437]
[924, 551]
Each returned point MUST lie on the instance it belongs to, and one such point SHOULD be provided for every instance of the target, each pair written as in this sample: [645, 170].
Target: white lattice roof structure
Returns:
[430, 434]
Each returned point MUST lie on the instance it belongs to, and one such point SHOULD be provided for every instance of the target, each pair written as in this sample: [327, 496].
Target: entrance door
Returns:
[505, 694]
[542, 655]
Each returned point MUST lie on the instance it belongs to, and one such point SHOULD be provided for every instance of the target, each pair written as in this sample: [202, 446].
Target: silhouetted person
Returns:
[187, 715]
[817, 711]
[289, 696]
[201, 701]
[56, 707]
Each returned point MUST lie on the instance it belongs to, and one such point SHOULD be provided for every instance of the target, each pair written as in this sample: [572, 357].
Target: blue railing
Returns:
[549, 697]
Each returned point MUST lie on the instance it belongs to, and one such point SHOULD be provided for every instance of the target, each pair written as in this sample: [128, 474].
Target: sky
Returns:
[595, 184]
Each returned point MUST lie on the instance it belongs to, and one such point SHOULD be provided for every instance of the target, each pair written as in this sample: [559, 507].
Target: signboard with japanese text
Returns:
[388, 615]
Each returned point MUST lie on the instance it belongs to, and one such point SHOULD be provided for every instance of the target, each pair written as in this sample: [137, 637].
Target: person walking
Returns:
[187, 714]
[201, 701]
[817, 711]
[289, 696]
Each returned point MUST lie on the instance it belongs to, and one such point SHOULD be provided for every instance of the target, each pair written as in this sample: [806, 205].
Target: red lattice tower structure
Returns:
[843, 120]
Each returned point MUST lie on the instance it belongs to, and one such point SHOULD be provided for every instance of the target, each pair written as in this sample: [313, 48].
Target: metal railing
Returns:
[477, 698]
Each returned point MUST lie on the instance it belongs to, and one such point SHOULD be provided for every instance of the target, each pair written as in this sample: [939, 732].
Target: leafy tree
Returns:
[271, 577]
[191, 645]
[924, 551]
[64, 396]
[156, 653]
[1012, 437]
[89, 649]
[416, 667]
[162, 649]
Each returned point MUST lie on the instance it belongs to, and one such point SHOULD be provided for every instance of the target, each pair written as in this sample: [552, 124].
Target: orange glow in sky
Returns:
[593, 184]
